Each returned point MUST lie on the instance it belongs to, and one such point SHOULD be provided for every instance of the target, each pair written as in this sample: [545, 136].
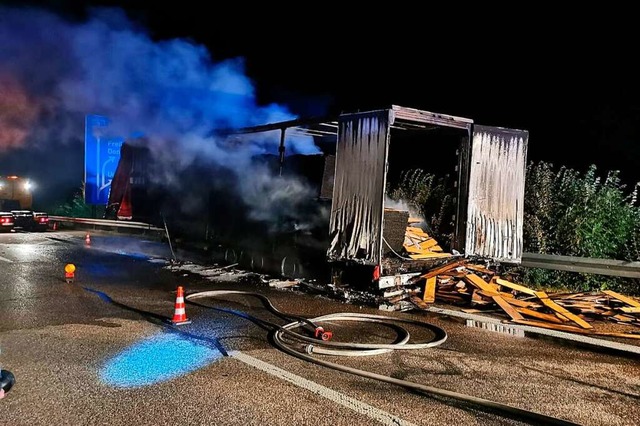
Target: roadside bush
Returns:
[573, 214]
[76, 207]
[565, 213]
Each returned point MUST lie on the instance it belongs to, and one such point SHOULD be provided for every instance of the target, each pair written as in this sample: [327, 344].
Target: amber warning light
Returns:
[69, 272]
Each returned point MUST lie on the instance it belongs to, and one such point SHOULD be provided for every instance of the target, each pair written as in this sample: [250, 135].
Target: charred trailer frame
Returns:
[352, 246]
[488, 175]
[489, 193]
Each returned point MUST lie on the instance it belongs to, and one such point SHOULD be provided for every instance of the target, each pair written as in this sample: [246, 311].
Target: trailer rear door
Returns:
[496, 193]
[358, 189]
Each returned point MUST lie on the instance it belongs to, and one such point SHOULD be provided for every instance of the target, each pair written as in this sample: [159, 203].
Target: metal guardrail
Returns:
[586, 265]
[105, 223]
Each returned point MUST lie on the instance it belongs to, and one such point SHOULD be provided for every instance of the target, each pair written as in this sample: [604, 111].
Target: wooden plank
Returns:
[519, 303]
[567, 295]
[557, 308]
[622, 298]
[417, 231]
[577, 305]
[437, 271]
[632, 310]
[539, 315]
[418, 302]
[623, 318]
[430, 290]
[479, 268]
[510, 310]
[516, 287]
[428, 255]
[426, 245]
[454, 274]
[478, 282]
[413, 249]
[476, 298]
[397, 299]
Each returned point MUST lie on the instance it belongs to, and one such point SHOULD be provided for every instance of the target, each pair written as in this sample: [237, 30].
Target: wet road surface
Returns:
[102, 351]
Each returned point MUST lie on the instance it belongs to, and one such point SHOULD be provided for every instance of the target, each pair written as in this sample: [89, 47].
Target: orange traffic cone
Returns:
[87, 239]
[180, 314]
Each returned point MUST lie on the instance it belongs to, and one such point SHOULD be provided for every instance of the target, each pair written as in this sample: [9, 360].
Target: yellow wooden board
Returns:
[416, 230]
[426, 245]
[510, 310]
[620, 297]
[544, 298]
[516, 287]
[428, 255]
[476, 281]
[444, 268]
[539, 315]
[430, 290]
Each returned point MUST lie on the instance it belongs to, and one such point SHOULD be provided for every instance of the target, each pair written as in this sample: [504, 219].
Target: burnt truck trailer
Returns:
[364, 155]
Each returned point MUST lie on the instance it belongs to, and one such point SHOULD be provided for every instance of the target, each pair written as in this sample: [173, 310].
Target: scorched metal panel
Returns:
[358, 191]
[496, 193]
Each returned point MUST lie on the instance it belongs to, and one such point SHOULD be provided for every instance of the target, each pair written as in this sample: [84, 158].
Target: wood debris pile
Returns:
[480, 290]
[463, 283]
[419, 245]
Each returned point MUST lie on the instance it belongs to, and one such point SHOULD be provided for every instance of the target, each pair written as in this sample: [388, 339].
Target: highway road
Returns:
[102, 350]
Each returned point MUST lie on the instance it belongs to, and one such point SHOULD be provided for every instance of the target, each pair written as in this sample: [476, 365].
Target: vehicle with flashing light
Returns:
[6, 222]
[16, 197]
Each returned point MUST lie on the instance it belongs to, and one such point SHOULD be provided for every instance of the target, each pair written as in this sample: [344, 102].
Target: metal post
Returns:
[281, 148]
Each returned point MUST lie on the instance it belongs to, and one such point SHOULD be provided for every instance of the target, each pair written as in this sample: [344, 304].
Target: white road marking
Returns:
[4, 259]
[323, 391]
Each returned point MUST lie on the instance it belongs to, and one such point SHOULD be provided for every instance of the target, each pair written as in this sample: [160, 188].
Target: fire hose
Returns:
[284, 335]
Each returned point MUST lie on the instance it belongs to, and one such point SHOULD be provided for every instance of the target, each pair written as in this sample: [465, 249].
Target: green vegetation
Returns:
[565, 213]
[430, 197]
[76, 207]
[587, 215]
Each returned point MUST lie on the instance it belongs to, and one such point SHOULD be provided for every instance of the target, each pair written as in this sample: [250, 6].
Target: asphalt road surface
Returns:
[102, 350]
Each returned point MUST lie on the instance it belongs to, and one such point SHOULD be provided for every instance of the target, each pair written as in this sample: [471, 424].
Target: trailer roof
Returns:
[404, 119]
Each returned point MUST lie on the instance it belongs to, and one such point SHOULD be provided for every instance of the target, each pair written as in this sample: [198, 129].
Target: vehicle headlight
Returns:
[28, 185]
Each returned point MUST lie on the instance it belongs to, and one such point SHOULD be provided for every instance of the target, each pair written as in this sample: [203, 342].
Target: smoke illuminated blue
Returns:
[159, 358]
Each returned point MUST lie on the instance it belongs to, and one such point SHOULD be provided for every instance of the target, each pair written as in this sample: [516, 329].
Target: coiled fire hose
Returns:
[320, 344]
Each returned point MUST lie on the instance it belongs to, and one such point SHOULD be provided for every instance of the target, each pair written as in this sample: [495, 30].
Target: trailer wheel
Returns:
[291, 267]
[230, 256]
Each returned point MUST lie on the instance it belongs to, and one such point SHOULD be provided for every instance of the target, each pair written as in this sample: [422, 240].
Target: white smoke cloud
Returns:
[172, 91]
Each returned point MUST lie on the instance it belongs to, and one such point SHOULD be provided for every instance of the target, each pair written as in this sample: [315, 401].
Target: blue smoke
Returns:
[172, 91]
[110, 66]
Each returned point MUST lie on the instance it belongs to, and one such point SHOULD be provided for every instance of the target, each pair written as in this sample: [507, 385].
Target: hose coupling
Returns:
[323, 335]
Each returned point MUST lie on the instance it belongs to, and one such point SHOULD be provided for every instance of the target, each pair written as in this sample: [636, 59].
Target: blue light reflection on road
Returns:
[159, 358]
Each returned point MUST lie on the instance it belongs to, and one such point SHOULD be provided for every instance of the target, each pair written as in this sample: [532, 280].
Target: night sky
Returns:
[567, 77]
